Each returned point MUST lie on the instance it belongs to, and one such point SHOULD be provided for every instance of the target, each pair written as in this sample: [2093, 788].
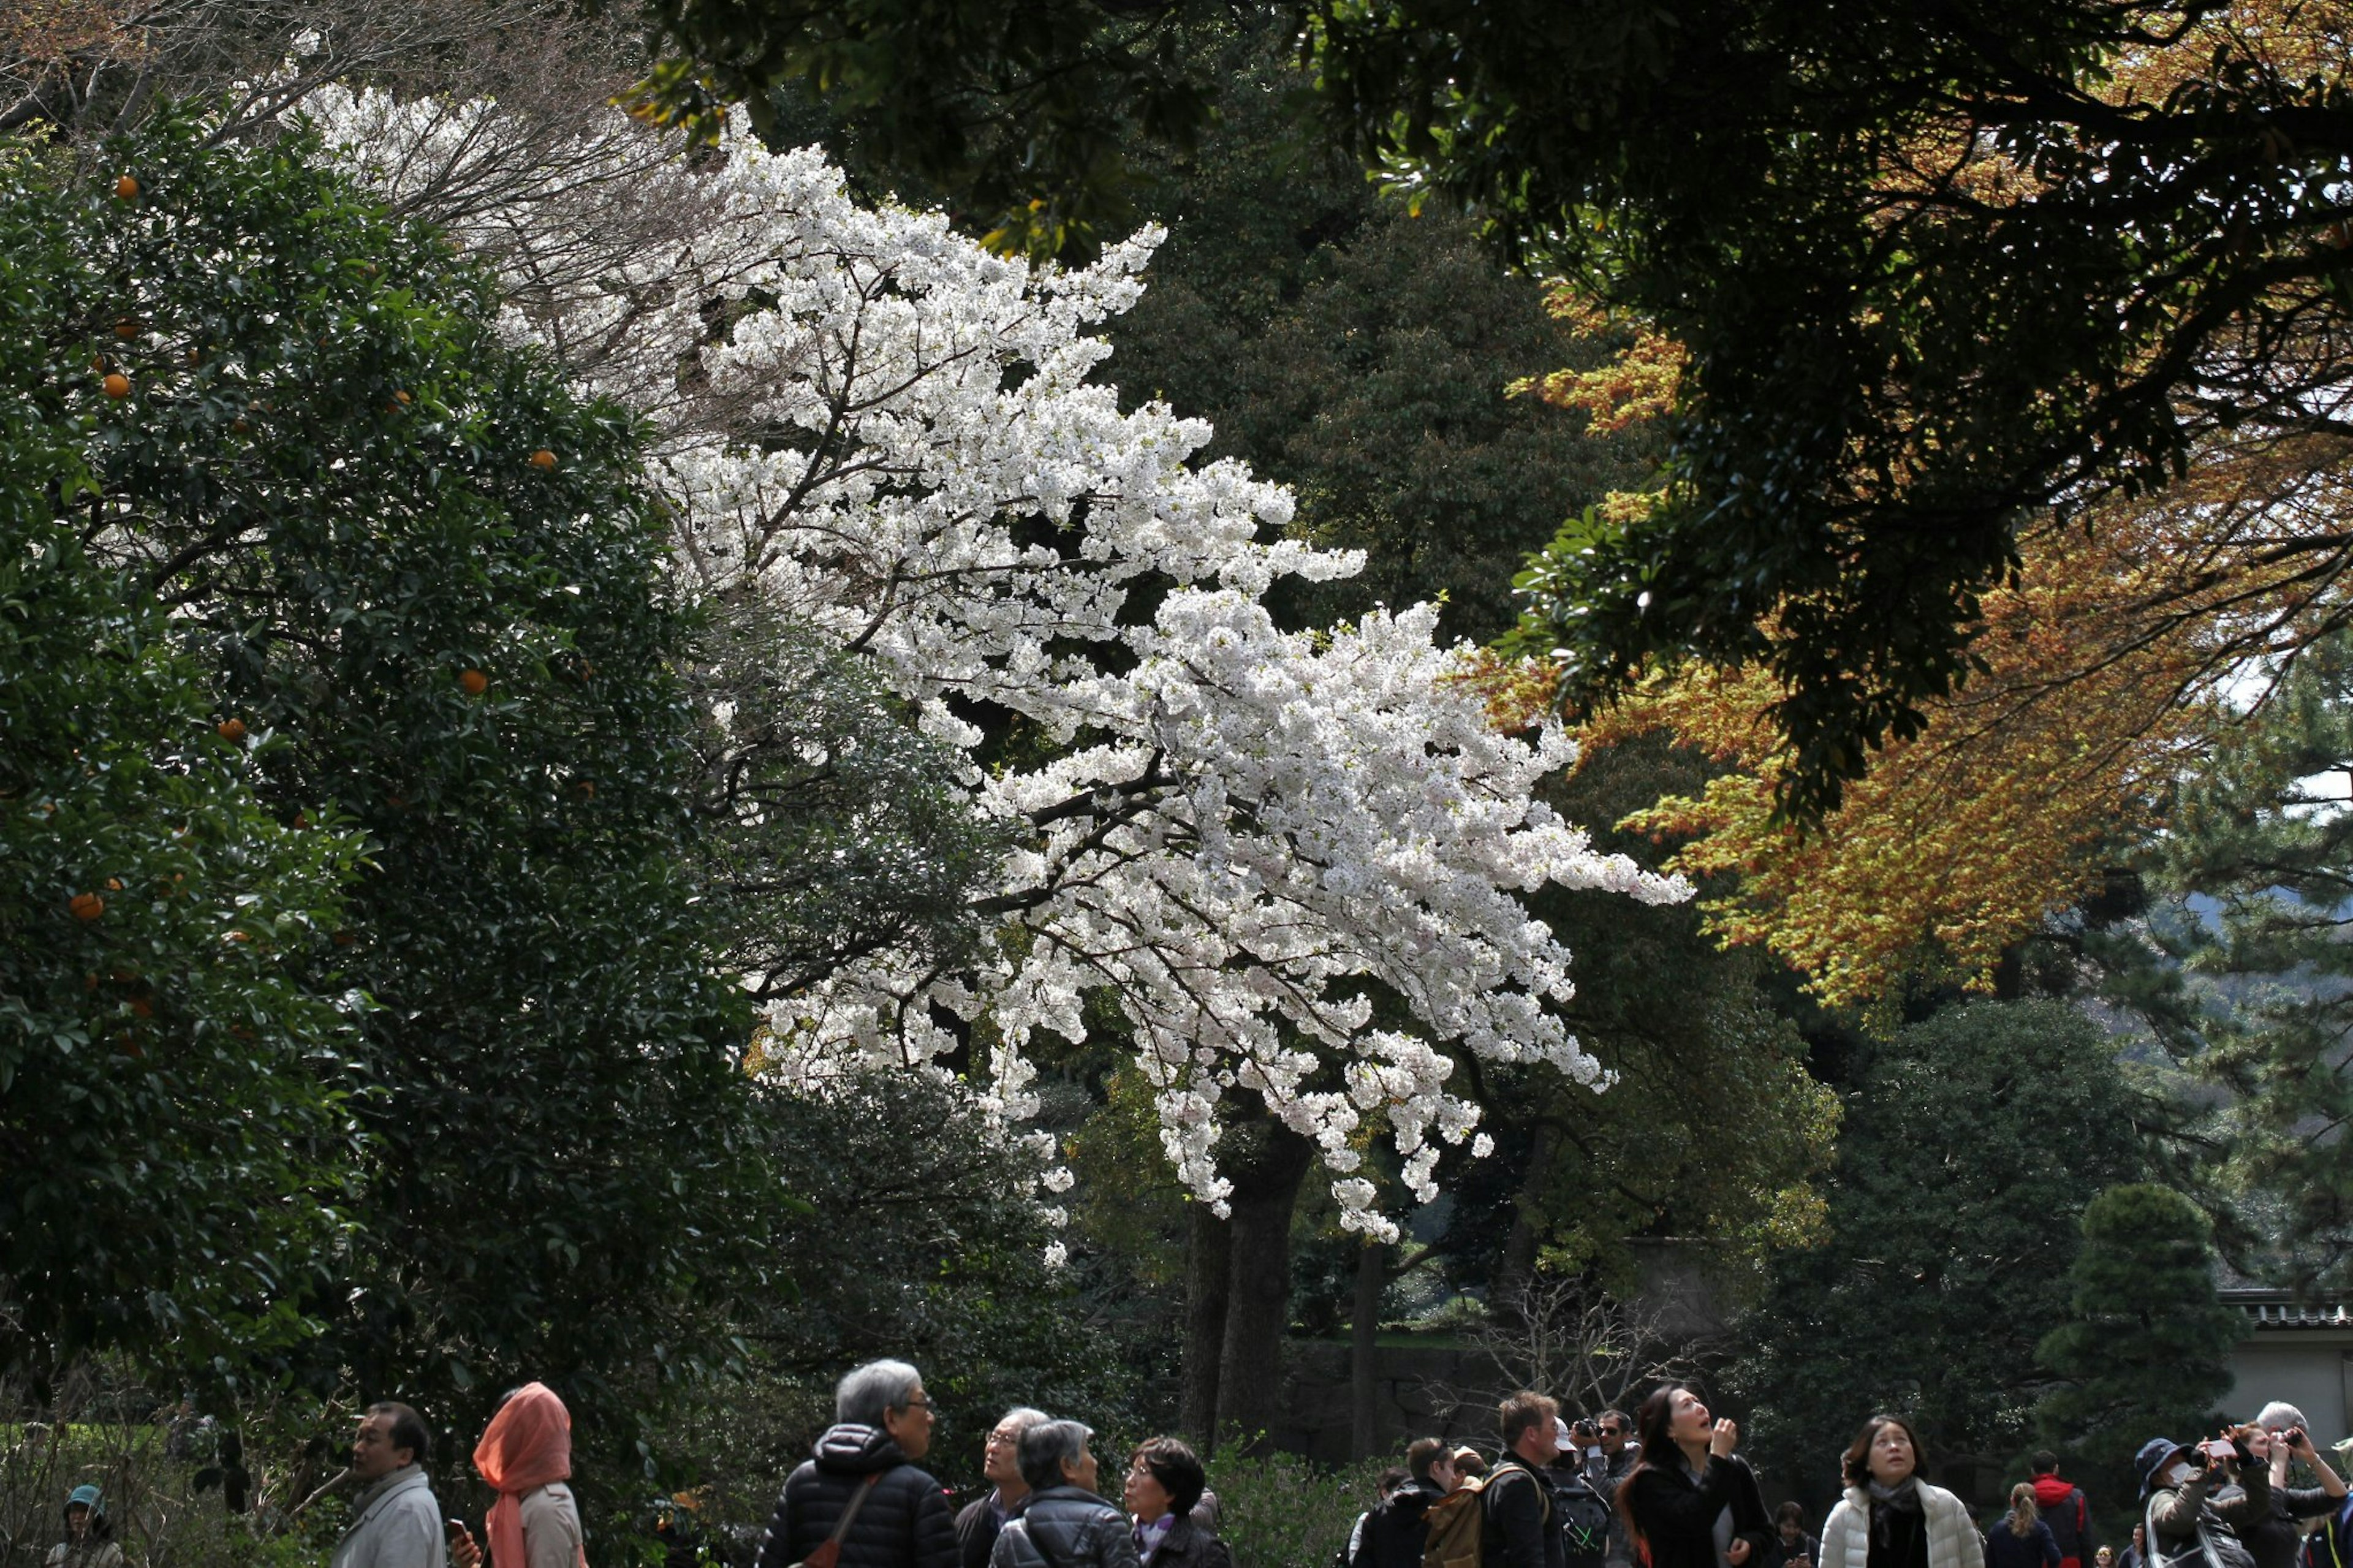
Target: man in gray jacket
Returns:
[395, 1518]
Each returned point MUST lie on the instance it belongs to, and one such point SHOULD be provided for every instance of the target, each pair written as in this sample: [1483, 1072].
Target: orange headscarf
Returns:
[527, 1445]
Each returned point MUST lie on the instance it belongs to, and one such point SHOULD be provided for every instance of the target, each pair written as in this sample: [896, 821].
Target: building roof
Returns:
[2268, 1309]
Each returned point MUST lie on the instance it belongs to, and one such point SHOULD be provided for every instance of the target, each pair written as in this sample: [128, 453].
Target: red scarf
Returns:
[527, 1445]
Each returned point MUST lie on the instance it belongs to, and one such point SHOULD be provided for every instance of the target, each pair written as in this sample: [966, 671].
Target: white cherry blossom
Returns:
[900, 439]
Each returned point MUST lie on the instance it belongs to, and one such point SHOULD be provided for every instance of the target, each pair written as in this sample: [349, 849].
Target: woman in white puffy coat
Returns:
[1890, 1517]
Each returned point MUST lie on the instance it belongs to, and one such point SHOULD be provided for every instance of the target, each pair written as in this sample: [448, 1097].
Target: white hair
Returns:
[867, 1392]
[2279, 1415]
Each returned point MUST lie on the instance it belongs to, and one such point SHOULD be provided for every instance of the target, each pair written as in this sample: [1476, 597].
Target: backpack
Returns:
[1584, 1521]
[2067, 1521]
[1455, 1522]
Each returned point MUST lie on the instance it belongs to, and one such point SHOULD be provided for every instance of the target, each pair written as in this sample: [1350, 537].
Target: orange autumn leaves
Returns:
[2108, 663]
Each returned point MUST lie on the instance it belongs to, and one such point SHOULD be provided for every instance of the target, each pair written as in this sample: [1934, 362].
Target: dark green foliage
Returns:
[1895, 360]
[1019, 111]
[326, 468]
[838, 829]
[174, 1141]
[2145, 1348]
[1698, 1048]
[1362, 356]
[1972, 1146]
[2241, 970]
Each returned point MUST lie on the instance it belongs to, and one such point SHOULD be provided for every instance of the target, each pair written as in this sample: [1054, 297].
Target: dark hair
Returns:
[1523, 1411]
[2044, 1463]
[1424, 1452]
[1625, 1422]
[1388, 1480]
[1654, 1420]
[1470, 1462]
[1176, 1468]
[101, 1526]
[407, 1430]
[1856, 1464]
[1790, 1513]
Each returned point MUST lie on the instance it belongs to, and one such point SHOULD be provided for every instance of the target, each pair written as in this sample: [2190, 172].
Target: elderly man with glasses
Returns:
[978, 1525]
[860, 1487]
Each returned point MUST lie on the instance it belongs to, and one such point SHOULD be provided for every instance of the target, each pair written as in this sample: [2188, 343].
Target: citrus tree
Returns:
[421, 589]
[149, 903]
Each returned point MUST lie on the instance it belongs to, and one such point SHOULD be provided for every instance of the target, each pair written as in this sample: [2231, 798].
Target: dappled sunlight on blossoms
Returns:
[889, 435]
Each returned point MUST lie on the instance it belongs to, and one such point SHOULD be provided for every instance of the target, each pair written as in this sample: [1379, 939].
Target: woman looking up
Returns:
[1690, 1503]
[1890, 1517]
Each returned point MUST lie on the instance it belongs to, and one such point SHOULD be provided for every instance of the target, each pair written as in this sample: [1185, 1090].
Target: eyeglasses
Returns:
[916, 1405]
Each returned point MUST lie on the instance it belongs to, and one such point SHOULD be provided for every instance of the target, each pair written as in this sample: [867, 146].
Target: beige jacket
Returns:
[1953, 1538]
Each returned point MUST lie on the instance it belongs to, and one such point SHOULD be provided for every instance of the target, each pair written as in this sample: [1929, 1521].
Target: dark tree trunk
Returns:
[1363, 1345]
[1257, 1281]
[1519, 1260]
[1208, 1247]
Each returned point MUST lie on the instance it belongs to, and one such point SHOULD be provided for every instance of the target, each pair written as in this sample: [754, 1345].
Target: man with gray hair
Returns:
[1000, 1465]
[860, 1488]
[2276, 1538]
[1064, 1524]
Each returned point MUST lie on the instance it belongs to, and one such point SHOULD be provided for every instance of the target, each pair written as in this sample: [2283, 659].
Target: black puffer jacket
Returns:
[903, 1523]
[1065, 1527]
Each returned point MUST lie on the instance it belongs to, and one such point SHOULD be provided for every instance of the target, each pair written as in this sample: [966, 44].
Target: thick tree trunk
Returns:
[1519, 1260]
[1363, 1346]
[1208, 1242]
[1257, 1279]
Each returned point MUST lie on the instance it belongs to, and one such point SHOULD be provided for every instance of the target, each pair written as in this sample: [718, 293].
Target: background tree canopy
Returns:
[1971, 1144]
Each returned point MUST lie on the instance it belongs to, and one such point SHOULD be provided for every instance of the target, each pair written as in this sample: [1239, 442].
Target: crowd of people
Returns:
[1662, 1489]
[1667, 1490]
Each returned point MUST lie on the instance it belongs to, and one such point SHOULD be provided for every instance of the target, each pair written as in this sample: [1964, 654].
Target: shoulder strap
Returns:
[829, 1552]
[856, 1501]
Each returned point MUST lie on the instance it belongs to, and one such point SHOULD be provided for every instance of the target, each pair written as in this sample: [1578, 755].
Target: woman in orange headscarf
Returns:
[526, 1454]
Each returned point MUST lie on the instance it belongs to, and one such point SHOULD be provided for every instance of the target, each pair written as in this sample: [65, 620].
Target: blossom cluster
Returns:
[903, 441]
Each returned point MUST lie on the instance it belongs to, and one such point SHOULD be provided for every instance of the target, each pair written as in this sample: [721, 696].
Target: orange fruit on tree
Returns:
[127, 188]
[114, 884]
[474, 682]
[401, 398]
[542, 460]
[86, 906]
[117, 384]
[126, 328]
[232, 729]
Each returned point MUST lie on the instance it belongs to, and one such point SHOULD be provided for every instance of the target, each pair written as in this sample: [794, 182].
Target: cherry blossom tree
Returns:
[896, 444]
